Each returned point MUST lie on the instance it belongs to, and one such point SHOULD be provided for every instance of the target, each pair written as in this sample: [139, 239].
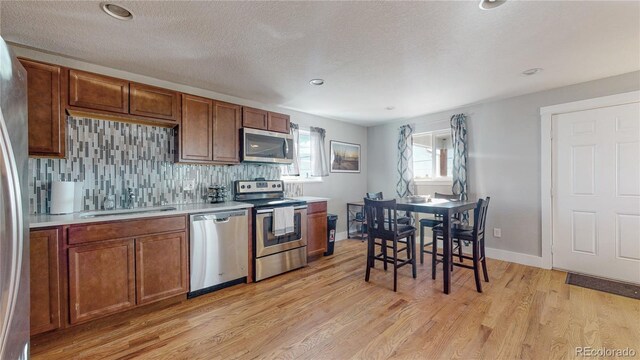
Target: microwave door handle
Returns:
[286, 148]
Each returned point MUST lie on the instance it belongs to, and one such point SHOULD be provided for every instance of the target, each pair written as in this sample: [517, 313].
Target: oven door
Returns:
[267, 147]
[267, 243]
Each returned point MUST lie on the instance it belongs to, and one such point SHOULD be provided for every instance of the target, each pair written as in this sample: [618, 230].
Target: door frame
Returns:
[546, 158]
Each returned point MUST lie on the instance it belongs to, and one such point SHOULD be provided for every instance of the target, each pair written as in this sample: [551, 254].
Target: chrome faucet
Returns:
[130, 199]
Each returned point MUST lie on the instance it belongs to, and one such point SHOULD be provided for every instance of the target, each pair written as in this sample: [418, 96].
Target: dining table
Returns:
[445, 208]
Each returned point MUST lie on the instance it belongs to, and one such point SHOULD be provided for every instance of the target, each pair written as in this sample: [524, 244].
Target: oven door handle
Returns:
[266, 211]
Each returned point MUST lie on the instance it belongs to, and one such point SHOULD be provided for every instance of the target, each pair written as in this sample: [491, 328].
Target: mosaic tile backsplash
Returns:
[109, 157]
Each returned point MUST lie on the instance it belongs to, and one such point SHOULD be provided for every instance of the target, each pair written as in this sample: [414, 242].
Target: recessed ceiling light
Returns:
[490, 4]
[116, 11]
[390, 107]
[532, 71]
[316, 82]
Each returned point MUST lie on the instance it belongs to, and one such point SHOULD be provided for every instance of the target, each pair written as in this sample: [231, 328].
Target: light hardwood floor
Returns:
[328, 311]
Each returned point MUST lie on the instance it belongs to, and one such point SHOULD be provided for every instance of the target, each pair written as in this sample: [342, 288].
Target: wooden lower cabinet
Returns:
[101, 279]
[44, 280]
[161, 266]
[316, 229]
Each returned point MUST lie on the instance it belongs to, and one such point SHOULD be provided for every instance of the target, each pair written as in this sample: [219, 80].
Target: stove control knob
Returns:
[248, 186]
[274, 185]
[241, 186]
[279, 185]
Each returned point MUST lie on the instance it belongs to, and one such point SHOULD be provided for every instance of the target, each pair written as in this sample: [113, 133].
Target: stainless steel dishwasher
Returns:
[219, 250]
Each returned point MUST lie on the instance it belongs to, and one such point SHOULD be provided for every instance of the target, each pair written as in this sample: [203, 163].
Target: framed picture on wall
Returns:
[345, 157]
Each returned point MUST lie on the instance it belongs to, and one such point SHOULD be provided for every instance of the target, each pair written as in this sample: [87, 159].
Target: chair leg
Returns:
[395, 265]
[460, 251]
[384, 253]
[370, 253]
[409, 249]
[484, 261]
[476, 270]
[422, 244]
[434, 256]
[413, 256]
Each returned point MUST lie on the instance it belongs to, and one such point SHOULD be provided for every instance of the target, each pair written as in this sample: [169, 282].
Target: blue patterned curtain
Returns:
[460, 153]
[404, 186]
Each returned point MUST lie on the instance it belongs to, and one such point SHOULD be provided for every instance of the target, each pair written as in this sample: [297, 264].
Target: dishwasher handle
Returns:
[220, 217]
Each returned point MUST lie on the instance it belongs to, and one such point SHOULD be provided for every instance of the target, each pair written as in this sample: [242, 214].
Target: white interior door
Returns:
[596, 198]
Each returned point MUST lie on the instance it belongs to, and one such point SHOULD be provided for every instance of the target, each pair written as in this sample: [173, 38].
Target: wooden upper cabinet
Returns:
[278, 123]
[98, 92]
[46, 121]
[226, 132]
[101, 279]
[44, 280]
[161, 266]
[196, 129]
[254, 118]
[151, 101]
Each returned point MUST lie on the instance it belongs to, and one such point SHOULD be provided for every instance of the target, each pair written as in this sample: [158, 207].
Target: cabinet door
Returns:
[226, 134]
[93, 91]
[254, 118]
[44, 281]
[154, 102]
[316, 233]
[46, 123]
[161, 266]
[101, 279]
[196, 129]
[278, 123]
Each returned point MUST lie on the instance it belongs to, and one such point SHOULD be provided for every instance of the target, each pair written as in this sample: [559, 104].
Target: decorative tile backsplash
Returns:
[109, 157]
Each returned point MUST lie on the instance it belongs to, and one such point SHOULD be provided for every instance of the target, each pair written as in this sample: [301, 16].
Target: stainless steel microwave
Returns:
[266, 147]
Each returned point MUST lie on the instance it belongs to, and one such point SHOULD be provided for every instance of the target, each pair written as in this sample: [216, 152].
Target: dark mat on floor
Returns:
[610, 286]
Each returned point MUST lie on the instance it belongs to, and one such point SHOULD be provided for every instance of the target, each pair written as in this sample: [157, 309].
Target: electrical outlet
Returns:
[189, 185]
[497, 232]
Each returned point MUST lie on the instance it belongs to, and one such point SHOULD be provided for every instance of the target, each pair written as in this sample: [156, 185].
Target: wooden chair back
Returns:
[382, 220]
[480, 218]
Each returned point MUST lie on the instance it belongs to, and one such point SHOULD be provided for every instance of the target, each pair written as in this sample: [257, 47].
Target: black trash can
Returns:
[332, 221]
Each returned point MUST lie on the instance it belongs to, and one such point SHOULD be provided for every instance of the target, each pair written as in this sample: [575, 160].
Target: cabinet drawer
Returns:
[316, 207]
[154, 102]
[93, 91]
[79, 234]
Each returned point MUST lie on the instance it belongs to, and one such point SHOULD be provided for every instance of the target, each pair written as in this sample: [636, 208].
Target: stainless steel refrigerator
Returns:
[14, 226]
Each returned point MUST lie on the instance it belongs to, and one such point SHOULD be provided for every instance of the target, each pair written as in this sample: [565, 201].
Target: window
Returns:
[304, 159]
[432, 156]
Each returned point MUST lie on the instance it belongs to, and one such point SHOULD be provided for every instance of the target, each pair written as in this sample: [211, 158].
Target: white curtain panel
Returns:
[319, 164]
[405, 187]
[294, 168]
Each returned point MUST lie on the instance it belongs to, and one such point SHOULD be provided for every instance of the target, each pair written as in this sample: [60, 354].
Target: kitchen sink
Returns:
[102, 213]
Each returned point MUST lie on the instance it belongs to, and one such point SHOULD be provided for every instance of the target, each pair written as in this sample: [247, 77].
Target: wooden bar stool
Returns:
[472, 234]
[383, 224]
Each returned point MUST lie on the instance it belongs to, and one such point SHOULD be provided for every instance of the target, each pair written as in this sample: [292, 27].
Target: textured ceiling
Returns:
[419, 57]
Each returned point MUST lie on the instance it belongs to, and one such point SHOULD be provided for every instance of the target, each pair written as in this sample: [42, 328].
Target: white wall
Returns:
[340, 188]
[504, 156]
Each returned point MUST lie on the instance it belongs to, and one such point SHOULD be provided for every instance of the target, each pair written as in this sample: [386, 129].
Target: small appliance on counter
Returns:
[62, 197]
[216, 193]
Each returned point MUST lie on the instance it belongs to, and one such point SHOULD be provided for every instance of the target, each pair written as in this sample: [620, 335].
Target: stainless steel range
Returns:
[273, 254]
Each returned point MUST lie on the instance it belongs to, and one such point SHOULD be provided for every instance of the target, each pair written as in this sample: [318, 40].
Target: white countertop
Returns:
[45, 220]
[311, 199]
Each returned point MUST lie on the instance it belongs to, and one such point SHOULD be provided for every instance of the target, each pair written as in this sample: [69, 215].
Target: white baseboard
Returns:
[515, 257]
